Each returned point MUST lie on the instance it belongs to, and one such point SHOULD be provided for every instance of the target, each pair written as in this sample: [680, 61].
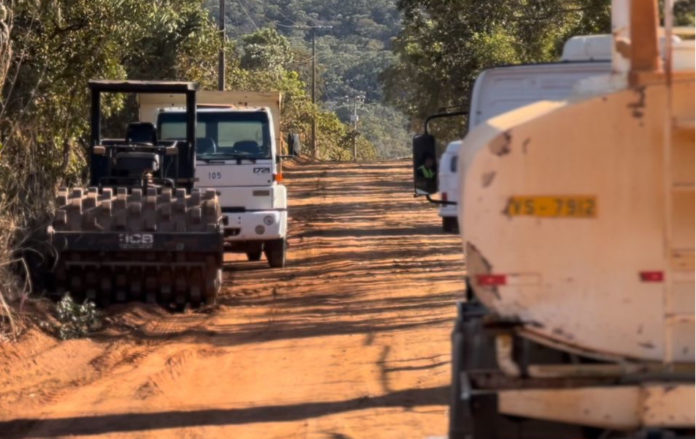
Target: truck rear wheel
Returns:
[275, 252]
[474, 412]
[450, 224]
[255, 253]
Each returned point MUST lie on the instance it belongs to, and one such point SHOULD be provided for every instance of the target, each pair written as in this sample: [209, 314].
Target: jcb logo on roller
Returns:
[262, 170]
[136, 240]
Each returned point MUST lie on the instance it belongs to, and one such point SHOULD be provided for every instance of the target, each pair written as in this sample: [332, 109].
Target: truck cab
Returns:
[237, 154]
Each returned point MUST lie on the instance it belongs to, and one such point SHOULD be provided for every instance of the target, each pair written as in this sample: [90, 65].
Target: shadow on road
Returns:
[347, 257]
[267, 331]
[132, 422]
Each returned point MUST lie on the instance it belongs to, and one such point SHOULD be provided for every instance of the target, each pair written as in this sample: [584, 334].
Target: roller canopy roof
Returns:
[125, 86]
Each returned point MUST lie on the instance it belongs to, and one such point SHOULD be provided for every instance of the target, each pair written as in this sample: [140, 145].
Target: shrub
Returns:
[77, 320]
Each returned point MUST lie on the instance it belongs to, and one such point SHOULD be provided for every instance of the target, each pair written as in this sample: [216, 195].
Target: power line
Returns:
[304, 27]
[221, 54]
[313, 30]
[244, 9]
[303, 60]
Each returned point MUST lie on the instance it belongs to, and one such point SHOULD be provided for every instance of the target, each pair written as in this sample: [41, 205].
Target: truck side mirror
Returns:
[424, 164]
[294, 144]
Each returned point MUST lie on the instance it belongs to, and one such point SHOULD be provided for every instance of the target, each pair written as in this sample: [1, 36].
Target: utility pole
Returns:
[314, 94]
[221, 56]
[354, 118]
[315, 151]
[312, 29]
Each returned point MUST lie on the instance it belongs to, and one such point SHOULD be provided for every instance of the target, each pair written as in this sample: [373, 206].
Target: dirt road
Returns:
[350, 341]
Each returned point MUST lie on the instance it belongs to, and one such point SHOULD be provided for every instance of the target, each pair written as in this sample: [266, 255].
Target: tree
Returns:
[56, 47]
[265, 50]
[263, 65]
[444, 45]
[350, 56]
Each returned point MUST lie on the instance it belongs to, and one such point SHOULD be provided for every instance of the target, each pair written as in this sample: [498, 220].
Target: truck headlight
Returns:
[268, 220]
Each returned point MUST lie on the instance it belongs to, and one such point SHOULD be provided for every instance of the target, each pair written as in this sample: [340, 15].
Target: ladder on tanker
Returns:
[678, 170]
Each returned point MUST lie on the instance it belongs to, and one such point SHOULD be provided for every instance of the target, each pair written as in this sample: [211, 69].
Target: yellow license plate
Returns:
[575, 206]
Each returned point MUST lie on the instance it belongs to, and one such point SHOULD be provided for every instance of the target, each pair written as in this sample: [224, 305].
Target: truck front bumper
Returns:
[262, 225]
[448, 210]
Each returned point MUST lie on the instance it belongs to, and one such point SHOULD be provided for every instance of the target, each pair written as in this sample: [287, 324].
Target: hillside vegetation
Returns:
[351, 56]
[443, 45]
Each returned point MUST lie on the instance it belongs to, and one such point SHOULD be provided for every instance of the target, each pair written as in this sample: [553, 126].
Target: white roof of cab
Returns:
[215, 109]
[587, 48]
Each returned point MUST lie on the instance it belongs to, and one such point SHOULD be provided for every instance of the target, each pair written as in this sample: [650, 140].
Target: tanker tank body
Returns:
[578, 227]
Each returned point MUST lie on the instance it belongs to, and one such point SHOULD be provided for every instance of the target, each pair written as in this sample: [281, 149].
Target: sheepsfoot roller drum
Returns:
[119, 244]
[141, 231]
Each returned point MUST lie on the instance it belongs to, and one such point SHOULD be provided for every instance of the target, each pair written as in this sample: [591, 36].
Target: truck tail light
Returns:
[278, 177]
[652, 276]
[491, 280]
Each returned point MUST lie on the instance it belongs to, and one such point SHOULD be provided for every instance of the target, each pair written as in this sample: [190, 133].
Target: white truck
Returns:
[501, 89]
[237, 153]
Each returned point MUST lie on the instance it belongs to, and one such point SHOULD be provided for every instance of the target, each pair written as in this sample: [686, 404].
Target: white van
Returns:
[502, 89]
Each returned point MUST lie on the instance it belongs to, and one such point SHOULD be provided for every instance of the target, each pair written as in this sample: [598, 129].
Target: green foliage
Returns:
[49, 49]
[77, 320]
[264, 65]
[58, 48]
[331, 129]
[265, 50]
[383, 126]
[683, 12]
[444, 45]
[176, 40]
[350, 56]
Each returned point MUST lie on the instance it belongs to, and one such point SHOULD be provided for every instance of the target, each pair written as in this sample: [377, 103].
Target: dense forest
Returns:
[353, 49]
[443, 45]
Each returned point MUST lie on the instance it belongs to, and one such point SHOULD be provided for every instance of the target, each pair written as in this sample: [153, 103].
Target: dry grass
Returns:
[25, 191]
[25, 204]
[9, 283]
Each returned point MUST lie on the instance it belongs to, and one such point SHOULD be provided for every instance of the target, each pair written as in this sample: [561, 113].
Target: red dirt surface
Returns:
[351, 340]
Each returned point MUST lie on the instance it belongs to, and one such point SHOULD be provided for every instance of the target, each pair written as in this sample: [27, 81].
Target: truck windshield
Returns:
[223, 134]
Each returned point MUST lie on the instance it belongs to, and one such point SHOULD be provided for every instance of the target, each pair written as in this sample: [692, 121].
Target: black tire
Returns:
[450, 224]
[255, 254]
[474, 414]
[275, 253]
[470, 351]
[459, 416]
